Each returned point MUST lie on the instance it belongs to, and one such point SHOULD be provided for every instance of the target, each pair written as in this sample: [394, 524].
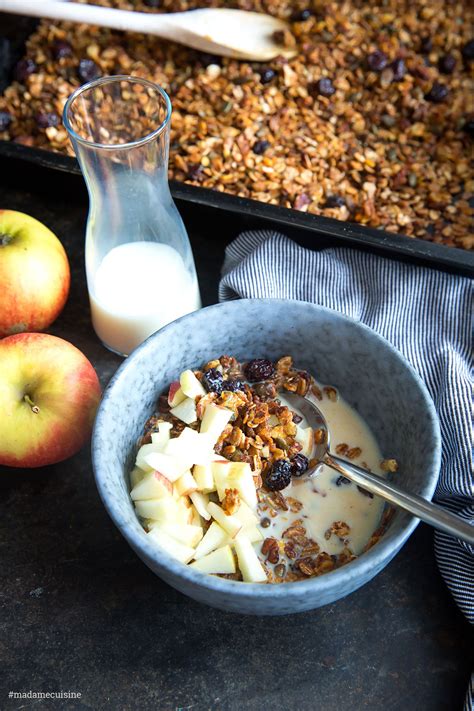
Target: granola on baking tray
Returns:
[234, 501]
[371, 121]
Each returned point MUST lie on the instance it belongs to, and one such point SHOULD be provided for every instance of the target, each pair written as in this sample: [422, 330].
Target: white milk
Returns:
[323, 501]
[138, 288]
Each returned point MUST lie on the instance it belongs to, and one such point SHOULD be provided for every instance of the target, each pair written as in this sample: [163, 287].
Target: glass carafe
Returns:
[139, 265]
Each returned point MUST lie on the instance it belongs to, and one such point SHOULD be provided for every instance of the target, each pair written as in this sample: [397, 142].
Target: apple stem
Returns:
[34, 408]
[5, 239]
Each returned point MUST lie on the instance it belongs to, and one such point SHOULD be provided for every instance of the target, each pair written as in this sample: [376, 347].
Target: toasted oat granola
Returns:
[371, 122]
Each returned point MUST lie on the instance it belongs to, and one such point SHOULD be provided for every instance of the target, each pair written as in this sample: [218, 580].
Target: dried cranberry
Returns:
[259, 369]
[377, 61]
[297, 418]
[88, 70]
[299, 464]
[47, 119]
[468, 127]
[259, 147]
[24, 68]
[213, 380]
[447, 64]
[342, 480]
[233, 385]
[468, 51]
[5, 120]
[195, 172]
[437, 93]
[301, 16]
[267, 75]
[334, 201]
[61, 49]
[152, 3]
[426, 45]
[399, 69]
[323, 86]
[279, 475]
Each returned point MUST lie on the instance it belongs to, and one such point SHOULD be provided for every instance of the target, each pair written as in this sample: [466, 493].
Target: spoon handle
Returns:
[90, 14]
[421, 508]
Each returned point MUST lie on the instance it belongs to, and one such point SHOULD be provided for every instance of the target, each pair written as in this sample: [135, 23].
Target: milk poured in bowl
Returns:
[326, 501]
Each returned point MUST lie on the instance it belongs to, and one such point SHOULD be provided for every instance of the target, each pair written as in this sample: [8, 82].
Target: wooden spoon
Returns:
[230, 33]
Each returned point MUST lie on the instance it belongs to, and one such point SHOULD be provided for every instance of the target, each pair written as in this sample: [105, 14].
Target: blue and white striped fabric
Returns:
[424, 313]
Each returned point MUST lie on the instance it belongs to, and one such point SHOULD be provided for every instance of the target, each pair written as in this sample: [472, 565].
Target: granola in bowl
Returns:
[218, 481]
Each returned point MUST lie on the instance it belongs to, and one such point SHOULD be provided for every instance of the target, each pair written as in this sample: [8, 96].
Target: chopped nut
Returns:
[339, 528]
[231, 501]
[331, 393]
[389, 465]
[271, 549]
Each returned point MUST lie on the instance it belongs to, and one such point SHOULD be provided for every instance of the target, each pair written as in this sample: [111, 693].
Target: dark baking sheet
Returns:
[231, 212]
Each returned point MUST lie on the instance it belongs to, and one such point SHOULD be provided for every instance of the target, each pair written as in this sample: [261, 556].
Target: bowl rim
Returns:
[376, 556]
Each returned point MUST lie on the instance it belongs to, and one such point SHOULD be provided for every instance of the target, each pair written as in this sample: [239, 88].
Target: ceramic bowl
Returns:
[370, 374]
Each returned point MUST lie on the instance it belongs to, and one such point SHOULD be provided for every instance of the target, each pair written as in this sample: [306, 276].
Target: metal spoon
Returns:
[230, 33]
[421, 508]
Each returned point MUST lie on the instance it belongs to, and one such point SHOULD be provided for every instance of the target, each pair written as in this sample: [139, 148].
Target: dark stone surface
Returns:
[80, 612]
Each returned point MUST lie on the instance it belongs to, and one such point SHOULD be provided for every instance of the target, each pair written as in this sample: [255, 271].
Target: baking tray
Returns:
[225, 213]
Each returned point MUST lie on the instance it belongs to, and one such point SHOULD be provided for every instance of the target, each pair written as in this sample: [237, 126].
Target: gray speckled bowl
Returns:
[369, 373]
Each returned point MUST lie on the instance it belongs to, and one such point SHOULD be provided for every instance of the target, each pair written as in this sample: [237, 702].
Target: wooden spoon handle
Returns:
[90, 14]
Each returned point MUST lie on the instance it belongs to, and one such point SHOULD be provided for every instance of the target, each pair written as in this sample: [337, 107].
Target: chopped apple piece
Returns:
[243, 481]
[221, 471]
[215, 537]
[190, 385]
[136, 475]
[249, 564]
[185, 508]
[184, 533]
[185, 411]
[253, 534]
[246, 515]
[171, 545]
[204, 479]
[196, 518]
[231, 524]
[235, 475]
[191, 447]
[214, 420]
[161, 510]
[144, 451]
[171, 467]
[153, 486]
[175, 394]
[160, 438]
[186, 484]
[305, 437]
[201, 502]
[219, 561]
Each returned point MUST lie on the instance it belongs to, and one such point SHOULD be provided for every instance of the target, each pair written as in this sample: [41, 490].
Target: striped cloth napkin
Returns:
[424, 313]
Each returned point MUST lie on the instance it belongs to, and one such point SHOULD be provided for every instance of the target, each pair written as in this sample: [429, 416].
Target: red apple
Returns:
[34, 274]
[175, 394]
[49, 394]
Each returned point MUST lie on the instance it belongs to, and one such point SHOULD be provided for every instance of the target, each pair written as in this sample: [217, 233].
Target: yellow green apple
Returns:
[49, 394]
[34, 274]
